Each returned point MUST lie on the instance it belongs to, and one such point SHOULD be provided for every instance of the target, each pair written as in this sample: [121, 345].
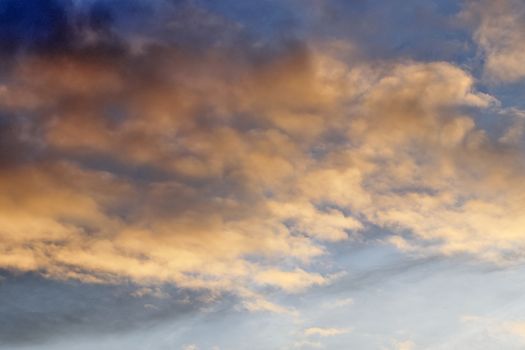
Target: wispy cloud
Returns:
[499, 27]
[326, 332]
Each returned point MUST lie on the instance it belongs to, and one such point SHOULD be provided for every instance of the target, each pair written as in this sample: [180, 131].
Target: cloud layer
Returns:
[228, 163]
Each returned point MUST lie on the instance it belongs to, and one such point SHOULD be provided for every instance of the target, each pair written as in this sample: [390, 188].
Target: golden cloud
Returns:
[210, 171]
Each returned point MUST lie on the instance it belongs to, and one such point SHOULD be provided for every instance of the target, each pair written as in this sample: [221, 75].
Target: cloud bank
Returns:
[229, 164]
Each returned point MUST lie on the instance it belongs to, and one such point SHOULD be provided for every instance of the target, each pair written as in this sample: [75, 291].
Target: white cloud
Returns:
[326, 332]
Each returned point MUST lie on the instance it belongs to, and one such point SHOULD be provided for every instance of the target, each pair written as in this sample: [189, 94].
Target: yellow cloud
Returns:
[292, 281]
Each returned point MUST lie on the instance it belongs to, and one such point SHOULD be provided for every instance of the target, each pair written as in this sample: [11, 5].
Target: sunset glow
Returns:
[259, 175]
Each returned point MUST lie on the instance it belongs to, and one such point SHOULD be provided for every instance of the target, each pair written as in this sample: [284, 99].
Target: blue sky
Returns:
[225, 175]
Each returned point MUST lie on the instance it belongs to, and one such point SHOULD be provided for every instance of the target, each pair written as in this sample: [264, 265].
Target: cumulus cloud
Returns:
[143, 170]
[213, 165]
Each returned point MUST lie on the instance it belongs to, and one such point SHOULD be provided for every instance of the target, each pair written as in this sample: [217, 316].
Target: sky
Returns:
[270, 174]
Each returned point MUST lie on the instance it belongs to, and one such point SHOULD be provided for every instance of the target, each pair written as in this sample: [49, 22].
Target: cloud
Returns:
[292, 281]
[316, 333]
[73, 211]
[153, 292]
[229, 167]
[499, 28]
[258, 304]
[326, 332]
